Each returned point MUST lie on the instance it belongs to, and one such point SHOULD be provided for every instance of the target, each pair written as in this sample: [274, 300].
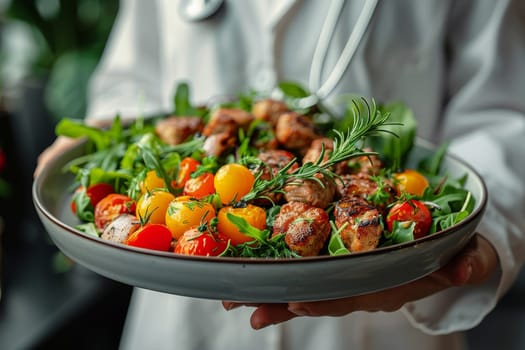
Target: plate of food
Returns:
[259, 200]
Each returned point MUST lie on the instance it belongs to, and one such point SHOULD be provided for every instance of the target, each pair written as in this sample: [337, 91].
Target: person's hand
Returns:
[471, 266]
[58, 147]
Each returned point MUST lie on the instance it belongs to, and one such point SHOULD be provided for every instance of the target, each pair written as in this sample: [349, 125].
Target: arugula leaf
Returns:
[75, 129]
[293, 89]
[263, 245]
[401, 232]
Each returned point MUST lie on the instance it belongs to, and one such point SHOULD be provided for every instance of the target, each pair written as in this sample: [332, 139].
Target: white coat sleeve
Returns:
[485, 120]
[127, 79]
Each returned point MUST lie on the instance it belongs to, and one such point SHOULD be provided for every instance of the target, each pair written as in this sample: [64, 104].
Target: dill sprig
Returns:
[367, 120]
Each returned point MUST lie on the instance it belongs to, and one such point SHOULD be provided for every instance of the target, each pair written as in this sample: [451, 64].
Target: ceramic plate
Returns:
[256, 280]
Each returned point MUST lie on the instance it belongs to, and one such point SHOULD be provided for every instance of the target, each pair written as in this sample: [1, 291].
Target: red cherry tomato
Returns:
[194, 242]
[408, 212]
[112, 206]
[199, 187]
[151, 236]
[187, 166]
[94, 192]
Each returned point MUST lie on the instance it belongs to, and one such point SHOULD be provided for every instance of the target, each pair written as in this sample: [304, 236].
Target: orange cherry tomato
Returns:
[199, 187]
[151, 236]
[254, 215]
[152, 206]
[232, 182]
[187, 166]
[185, 213]
[408, 212]
[112, 206]
[194, 242]
[410, 181]
[151, 182]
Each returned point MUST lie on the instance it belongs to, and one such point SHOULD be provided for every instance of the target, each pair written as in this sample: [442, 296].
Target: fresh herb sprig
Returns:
[367, 121]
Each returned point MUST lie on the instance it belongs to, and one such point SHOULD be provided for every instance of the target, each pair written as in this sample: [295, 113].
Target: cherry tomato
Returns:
[200, 187]
[410, 181]
[232, 182]
[408, 212]
[95, 193]
[152, 206]
[254, 215]
[194, 242]
[185, 213]
[187, 166]
[151, 182]
[151, 236]
[112, 206]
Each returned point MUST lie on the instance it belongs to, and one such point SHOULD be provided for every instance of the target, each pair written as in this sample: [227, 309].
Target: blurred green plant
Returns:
[70, 36]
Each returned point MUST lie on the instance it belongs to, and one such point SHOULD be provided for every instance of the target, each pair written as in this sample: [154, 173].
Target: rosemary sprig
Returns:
[367, 120]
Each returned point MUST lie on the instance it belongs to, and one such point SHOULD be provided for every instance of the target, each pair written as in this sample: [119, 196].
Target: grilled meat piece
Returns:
[216, 144]
[363, 223]
[295, 131]
[381, 193]
[370, 165]
[175, 130]
[314, 151]
[311, 191]
[269, 110]
[227, 120]
[306, 227]
[274, 160]
[119, 229]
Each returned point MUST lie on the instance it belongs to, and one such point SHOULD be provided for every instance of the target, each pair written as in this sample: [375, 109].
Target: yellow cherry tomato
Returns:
[151, 182]
[152, 206]
[232, 182]
[185, 213]
[410, 181]
[254, 215]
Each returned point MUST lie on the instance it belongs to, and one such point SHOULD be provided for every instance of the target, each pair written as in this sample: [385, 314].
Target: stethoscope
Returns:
[198, 10]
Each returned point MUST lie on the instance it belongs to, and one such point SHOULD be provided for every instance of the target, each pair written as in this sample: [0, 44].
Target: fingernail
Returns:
[469, 272]
[230, 306]
[299, 311]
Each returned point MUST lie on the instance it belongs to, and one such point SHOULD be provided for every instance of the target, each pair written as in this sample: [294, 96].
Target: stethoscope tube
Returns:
[323, 90]
[198, 10]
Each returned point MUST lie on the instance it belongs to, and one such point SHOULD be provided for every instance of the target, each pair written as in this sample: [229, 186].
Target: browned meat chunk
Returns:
[274, 160]
[311, 192]
[306, 227]
[295, 131]
[269, 110]
[227, 120]
[314, 152]
[370, 165]
[360, 223]
[119, 229]
[216, 144]
[380, 192]
[176, 130]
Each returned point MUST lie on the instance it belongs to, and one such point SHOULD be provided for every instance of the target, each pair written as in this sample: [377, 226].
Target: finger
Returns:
[230, 305]
[60, 145]
[472, 265]
[268, 314]
[388, 300]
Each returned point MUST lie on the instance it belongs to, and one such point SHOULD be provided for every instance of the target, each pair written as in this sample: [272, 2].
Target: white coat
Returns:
[458, 64]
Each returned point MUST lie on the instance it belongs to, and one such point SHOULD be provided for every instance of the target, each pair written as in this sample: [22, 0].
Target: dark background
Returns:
[46, 301]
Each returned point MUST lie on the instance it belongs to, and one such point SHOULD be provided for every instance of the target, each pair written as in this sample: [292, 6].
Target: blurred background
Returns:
[48, 50]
